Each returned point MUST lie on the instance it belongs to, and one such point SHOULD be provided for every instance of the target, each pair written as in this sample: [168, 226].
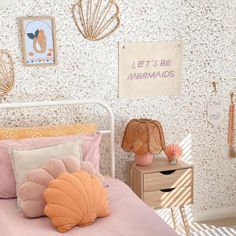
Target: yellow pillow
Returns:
[47, 131]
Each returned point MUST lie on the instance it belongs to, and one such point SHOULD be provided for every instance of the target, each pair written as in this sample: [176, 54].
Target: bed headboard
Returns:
[109, 131]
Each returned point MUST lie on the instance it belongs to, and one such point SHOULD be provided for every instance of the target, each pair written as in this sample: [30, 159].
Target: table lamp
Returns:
[145, 138]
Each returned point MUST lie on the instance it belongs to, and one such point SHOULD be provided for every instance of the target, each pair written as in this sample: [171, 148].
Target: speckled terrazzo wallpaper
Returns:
[89, 70]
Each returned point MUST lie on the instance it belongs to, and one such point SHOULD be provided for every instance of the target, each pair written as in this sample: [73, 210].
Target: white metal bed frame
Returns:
[110, 131]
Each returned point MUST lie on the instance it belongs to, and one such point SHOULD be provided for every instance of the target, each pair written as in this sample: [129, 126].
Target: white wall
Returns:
[89, 70]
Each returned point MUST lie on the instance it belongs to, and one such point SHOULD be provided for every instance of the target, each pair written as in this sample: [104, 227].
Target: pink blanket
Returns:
[129, 217]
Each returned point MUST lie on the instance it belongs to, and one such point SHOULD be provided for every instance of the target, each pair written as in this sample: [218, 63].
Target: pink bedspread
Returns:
[129, 217]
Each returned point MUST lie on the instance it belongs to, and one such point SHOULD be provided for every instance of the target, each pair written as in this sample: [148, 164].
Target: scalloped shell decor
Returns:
[173, 153]
[96, 19]
[7, 73]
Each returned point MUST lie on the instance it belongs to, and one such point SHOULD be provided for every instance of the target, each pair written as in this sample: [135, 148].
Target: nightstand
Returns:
[161, 185]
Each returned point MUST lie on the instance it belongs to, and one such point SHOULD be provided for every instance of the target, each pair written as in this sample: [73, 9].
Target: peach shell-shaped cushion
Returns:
[31, 192]
[75, 199]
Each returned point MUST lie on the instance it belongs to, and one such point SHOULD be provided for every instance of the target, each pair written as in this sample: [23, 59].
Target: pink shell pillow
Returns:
[31, 192]
[89, 145]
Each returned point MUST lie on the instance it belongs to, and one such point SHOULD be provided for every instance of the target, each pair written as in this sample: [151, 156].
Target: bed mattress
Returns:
[129, 217]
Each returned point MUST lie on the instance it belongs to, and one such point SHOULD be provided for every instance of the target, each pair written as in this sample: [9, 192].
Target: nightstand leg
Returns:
[185, 220]
[173, 217]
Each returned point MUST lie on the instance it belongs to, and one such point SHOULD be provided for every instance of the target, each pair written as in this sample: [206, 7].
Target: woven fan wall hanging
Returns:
[96, 19]
[7, 73]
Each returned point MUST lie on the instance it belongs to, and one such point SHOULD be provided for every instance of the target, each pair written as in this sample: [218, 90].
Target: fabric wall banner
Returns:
[150, 68]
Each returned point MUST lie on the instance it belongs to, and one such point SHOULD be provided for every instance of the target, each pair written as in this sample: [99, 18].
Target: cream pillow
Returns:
[24, 160]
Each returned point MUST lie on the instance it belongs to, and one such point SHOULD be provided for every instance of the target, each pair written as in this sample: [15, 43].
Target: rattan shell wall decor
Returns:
[7, 73]
[96, 19]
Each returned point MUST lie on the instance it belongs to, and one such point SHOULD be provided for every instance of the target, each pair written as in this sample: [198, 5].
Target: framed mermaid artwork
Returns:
[38, 41]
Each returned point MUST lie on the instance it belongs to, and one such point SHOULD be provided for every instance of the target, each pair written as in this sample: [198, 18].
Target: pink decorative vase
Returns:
[144, 160]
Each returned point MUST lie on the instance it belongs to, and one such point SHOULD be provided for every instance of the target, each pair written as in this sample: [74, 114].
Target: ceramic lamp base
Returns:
[144, 160]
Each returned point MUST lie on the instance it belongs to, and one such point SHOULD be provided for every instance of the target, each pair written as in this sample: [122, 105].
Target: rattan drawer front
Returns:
[167, 179]
[176, 197]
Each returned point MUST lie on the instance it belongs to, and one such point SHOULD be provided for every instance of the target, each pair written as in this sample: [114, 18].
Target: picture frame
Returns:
[38, 40]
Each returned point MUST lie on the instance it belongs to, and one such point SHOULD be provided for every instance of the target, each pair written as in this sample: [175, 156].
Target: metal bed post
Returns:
[111, 131]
